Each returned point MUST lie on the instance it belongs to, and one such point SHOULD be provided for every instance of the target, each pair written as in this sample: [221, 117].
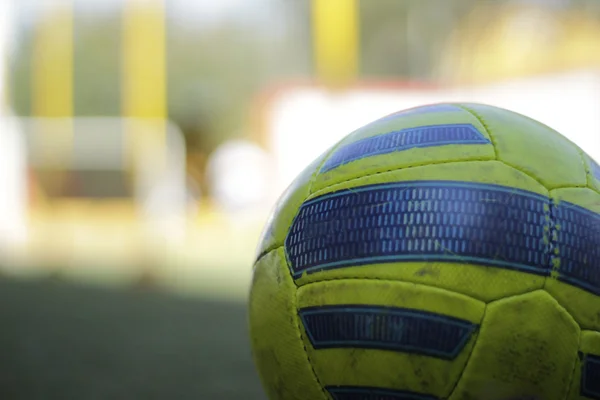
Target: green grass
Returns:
[62, 340]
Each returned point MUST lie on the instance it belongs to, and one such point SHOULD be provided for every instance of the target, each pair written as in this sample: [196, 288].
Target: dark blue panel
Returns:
[422, 221]
[595, 169]
[578, 243]
[369, 393]
[422, 136]
[590, 377]
[387, 328]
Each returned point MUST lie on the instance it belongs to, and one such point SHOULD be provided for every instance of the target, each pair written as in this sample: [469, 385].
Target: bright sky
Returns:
[208, 10]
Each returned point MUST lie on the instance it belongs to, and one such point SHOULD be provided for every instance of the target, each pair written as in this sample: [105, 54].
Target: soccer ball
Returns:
[449, 251]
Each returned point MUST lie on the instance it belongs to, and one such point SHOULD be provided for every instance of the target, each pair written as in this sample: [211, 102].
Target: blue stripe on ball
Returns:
[422, 136]
[370, 393]
[447, 221]
[387, 328]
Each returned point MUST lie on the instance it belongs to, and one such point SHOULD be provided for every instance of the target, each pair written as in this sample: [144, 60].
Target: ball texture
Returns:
[449, 251]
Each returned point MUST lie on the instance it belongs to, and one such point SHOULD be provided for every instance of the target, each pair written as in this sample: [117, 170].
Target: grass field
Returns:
[62, 340]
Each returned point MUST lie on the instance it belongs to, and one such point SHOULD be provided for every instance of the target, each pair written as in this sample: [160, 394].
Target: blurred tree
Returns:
[216, 72]
[20, 75]
[405, 39]
[384, 47]
[212, 76]
[506, 40]
[97, 65]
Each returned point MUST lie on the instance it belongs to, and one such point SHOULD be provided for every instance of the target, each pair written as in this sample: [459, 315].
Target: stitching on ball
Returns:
[416, 165]
[268, 251]
[485, 125]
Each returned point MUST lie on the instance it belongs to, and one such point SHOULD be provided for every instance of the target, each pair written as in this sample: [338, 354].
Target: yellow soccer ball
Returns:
[450, 251]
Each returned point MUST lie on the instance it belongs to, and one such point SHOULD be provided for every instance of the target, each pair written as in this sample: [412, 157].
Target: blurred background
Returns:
[143, 143]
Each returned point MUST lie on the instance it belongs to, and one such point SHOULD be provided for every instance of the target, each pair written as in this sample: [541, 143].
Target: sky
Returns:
[207, 10]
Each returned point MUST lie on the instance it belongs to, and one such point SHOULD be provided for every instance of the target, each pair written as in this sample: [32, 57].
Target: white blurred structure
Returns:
[161, 187]
[6, 38]
[238, 173]
[303, 122]
[568, 103]
[13, 167]
[13, 186]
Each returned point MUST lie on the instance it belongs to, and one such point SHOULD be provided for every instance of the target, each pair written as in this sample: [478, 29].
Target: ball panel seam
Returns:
[267, 251]
[483, 123]
[471, 350]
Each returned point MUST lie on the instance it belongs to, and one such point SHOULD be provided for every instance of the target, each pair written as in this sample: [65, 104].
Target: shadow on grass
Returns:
[64, 341]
